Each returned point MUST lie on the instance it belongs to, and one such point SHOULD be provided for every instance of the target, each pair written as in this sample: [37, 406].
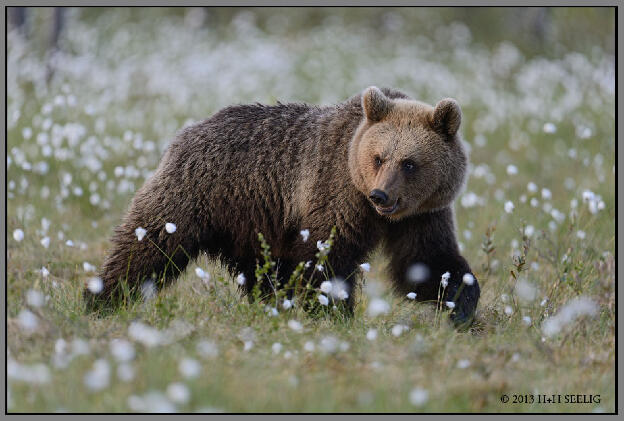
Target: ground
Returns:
[536, 222]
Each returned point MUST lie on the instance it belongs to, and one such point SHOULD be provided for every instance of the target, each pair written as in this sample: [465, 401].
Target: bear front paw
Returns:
[465, 305]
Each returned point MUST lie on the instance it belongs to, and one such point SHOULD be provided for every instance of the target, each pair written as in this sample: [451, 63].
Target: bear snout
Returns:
[378, 197]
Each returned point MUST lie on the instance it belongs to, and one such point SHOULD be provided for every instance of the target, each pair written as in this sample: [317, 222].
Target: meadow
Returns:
[87, 124]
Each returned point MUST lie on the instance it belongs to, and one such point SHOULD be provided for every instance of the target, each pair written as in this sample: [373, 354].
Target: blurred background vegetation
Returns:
[535, 31]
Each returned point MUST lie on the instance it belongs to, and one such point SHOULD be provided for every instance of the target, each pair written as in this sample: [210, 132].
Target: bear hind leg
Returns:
[158, 257]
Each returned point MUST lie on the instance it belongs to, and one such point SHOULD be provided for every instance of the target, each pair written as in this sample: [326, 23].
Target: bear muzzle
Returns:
[378, 197]
[383, 204]
[388, 210]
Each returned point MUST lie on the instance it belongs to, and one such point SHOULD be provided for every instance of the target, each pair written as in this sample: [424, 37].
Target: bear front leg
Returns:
[422, 248]
[463, 297]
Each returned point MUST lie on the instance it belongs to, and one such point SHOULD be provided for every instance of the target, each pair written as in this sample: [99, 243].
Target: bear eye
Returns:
[378, 162]
[408, 165]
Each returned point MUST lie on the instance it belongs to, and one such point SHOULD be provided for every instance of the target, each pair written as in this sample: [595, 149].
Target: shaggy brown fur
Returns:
[283, 168]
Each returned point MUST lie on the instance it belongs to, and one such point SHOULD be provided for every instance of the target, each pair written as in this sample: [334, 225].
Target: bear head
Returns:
[407, 156]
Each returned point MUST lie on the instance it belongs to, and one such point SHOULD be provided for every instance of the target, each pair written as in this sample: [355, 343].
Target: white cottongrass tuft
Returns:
[34, 298]
[418, 273]
[122, 350]
[512, 169]
[276, 348]
[450, 304]
[305, 234]
[464, 363]
[371, 335]
[419, 396]
[63, 354]
[470, 200]
[204, 276]
[550, 128]
[308, 346]
[397, 330]
[546, 194]
[152, 401]
[145, 334]
[170, 227]
[338, 289]
[329, 344]
[525, 290]
[45, 242]
[378, 306]
[342, 294]
[366, 267]
[594, 201]
[320, 268]
[468, 279]
[509, 206]
[323, 246]
[326, 287]
[178, 393]
[526, 320]
[95, 285]
[588, 196]
[27, 133]
[98, 377]
[580, 306]
[557, 215]
[27, 321]
[247, 335]
[18, 235]
[148, 290]
[411, 295]
[295, 325]
[323, 300]
[60, 346]
[189, 368]
[140, 233]
[508, 310]
[287, 304]
[532, 187]
[445, 278]
[35, 374]
[207, 349]
[240, 279]
[88, 267]
[376, 365]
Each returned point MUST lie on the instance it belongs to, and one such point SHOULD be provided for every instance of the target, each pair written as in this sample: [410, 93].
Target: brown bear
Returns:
[382, 168]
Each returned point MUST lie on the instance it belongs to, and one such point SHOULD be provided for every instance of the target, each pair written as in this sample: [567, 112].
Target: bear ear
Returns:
[375, 104]
[447, 116]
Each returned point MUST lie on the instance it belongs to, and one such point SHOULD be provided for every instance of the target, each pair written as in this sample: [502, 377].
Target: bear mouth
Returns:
[388, 210]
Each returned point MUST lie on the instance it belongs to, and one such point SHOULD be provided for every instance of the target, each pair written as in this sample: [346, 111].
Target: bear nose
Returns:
[379, 197]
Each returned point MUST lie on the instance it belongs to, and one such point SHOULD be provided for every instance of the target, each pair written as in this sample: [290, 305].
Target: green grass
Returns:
[506, 97]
